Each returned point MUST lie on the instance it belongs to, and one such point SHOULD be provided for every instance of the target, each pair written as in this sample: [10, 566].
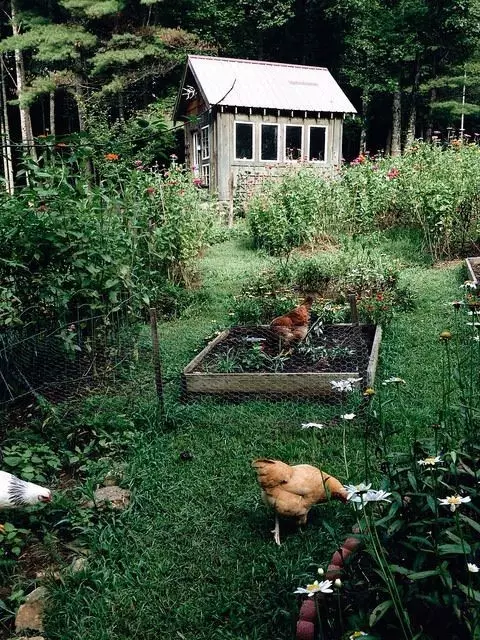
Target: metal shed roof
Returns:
[268, 85]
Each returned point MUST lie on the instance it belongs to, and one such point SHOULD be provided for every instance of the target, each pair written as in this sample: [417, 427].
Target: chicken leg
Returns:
[276, 531]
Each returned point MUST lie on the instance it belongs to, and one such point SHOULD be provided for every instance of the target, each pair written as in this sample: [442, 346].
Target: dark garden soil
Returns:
[338, 348]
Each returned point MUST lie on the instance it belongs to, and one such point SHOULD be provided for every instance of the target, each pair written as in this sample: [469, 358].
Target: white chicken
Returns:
[16, 493]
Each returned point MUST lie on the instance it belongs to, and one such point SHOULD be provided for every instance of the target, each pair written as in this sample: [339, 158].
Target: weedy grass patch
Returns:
[193, 556]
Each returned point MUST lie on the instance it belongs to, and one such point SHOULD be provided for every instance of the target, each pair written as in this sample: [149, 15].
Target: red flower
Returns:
[150, 190]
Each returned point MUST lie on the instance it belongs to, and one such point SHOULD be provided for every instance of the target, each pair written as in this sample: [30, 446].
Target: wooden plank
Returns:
[470, 262]
[200, 356]
[303, 384]
[373, 360]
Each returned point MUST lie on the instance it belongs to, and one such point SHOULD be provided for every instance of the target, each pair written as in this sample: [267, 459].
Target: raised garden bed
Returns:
[249, 361]
[473, 266]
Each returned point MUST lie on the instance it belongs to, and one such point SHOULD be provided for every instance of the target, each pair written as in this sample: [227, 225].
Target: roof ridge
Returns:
[263, 62]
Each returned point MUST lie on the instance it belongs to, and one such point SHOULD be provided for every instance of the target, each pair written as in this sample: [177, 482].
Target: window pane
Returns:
[269, 142]
[206, 174]
[317, 143]
[293, 143]
[243, 141]
[205, 143]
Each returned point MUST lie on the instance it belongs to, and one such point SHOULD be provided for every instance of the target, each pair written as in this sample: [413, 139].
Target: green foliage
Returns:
[31, 461]
[332, 276]
[70, 243]
[287, 212]
[432, 188]
[12, 540]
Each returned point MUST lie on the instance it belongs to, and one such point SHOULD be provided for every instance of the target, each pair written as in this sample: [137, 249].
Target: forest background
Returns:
[110, 69]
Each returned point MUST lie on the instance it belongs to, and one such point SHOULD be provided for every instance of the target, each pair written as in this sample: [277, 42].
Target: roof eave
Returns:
[188, 67]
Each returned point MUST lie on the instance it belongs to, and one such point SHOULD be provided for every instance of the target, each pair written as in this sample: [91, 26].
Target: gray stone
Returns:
[112, 496]
[78, 564]
[30, 613]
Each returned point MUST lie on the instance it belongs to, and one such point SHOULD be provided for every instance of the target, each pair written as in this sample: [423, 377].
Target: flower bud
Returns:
[321, 571]
[337, 583]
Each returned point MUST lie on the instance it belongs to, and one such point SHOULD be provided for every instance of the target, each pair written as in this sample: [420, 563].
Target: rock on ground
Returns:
[112, 496]
[30, 613]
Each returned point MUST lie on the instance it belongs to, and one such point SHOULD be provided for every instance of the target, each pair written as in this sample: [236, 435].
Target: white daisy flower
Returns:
[430, 461]
[468, 284]
[473, 324]
[356, 489]
[476, 338]
[394, 380]
[472, 567]
[474, 313]
[348, 416]
[312, 425]
[316, 587]
[455, 303]
[344, 385]
[370, 496]
[453, 501]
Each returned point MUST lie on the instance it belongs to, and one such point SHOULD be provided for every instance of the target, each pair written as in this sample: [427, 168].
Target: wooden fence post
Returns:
[157, 367]
[352, 299]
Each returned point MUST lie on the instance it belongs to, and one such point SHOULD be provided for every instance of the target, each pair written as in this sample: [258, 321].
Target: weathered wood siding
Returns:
[230, 171]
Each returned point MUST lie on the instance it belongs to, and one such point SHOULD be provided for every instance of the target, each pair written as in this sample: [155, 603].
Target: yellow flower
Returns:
[445, 336]
[369, 392]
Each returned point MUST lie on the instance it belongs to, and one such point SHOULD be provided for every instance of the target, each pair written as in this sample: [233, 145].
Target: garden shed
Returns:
[245, 119]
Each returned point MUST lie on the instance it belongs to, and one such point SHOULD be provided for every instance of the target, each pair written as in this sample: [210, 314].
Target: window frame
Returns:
[197, 160]
[302, 143]
[205, 171]
[318, 126]
[252, 125]
[202, 129]
[269, 124]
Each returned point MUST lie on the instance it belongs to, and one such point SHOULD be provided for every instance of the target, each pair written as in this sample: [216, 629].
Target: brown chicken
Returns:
[293, 490]
[293, 326]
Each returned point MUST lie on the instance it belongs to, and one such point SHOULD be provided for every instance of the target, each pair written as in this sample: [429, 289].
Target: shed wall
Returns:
[231, 172]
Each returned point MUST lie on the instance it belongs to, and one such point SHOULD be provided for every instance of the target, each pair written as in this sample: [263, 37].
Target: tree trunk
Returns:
[5, 134]
[429, 131]
[121, 108]
[397, 122]
[363, 130]
[412, 116]
[25, 120]
[80, 100]
[51, 110]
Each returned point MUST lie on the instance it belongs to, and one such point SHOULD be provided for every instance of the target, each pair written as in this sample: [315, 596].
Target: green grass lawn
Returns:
[193, 557]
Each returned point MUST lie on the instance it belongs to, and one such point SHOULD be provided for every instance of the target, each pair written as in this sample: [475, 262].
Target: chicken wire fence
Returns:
[60, 360]
[59, 356]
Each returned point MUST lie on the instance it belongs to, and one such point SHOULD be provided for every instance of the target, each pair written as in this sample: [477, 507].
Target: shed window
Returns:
[293, 142]
[269, 142]
[317, 144]
[206, 175]
[205, 142]
[195, 152]
[244, 140]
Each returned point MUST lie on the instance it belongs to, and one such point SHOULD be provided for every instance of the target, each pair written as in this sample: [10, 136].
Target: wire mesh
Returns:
[58, 359]
[259, 362]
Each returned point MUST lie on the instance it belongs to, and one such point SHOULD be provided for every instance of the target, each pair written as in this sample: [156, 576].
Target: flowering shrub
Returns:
[431, 188]
[286, 213]
[69, 242]
[415, 573]
[332, 277]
